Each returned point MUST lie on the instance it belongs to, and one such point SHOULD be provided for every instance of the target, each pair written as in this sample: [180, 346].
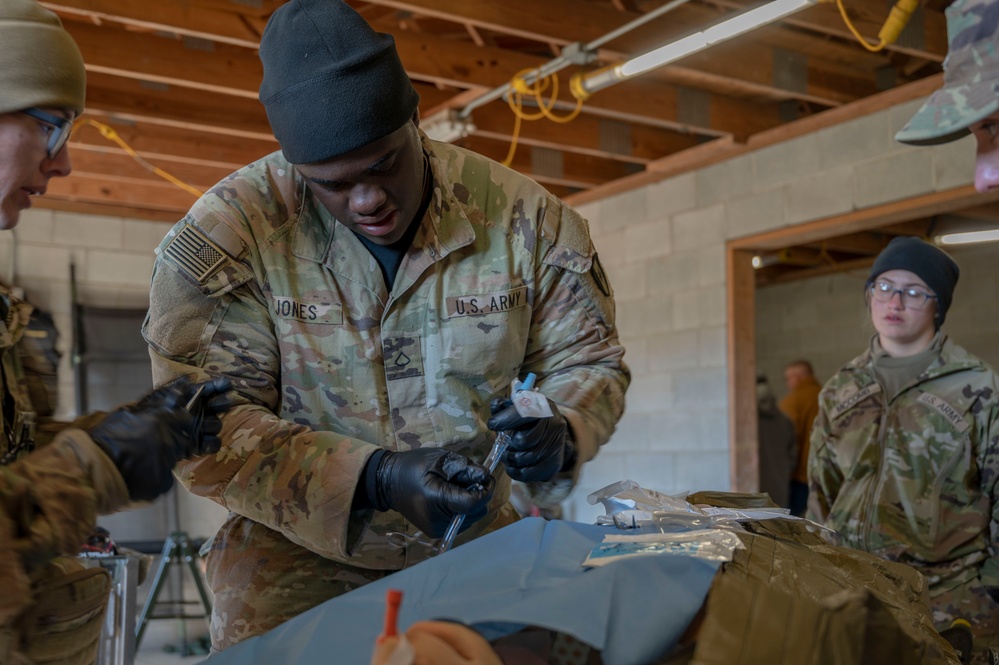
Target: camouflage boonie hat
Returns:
[971, 77]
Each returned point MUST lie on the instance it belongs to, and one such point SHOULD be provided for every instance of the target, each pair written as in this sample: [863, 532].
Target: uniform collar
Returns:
[952, 358]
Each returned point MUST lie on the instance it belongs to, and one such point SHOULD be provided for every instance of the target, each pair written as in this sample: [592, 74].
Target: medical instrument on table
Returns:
[491, 462]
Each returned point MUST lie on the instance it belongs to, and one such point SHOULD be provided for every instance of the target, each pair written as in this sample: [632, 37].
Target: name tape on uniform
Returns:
[489, 303]
[309, 312]
[855, 399]
[952, 415]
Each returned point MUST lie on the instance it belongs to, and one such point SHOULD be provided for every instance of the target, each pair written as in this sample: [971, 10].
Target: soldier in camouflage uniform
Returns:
[372, 294]
[51, 608]
[905, 450]
[969, 99]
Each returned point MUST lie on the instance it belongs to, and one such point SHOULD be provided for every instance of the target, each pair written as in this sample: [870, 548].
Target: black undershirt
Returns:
[389, 257]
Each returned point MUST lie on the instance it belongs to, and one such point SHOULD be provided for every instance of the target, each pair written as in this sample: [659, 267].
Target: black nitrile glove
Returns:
[146, 439]
[430, 486]
[539, 447]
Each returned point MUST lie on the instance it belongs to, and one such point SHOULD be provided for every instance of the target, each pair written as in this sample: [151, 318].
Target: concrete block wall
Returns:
[663, 247]
[825, 321]
[114, 260]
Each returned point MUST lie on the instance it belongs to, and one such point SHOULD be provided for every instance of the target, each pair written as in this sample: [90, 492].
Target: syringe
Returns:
[491, 462]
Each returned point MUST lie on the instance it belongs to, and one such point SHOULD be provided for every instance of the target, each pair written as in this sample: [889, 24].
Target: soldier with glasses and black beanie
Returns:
[905, 450]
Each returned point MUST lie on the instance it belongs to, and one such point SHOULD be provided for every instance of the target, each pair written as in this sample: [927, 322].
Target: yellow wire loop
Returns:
[515, 100]
[900, 14]
[111, 135]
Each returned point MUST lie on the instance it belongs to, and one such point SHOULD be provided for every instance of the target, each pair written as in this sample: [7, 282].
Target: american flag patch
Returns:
[195, 253]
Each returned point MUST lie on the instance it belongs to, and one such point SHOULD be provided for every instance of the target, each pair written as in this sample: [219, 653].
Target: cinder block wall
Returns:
[825, 321]
[663, 249]
[114, 260]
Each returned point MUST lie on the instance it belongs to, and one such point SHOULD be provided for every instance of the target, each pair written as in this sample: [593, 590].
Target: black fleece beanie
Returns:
[930, 263]
[331, 83]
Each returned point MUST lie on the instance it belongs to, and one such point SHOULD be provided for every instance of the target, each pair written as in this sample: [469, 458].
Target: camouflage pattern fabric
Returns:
[16, 410]
[260, 284]
[971, 77]
[49, 502]
[914, 480]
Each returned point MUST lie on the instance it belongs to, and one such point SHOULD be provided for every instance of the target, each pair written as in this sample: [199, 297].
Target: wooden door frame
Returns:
[741, 311]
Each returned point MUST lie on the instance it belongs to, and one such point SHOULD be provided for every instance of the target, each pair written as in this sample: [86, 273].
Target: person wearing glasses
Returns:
[905, 450]
[51, 491]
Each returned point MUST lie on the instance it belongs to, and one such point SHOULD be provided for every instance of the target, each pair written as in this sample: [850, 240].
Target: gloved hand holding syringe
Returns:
[532, 404]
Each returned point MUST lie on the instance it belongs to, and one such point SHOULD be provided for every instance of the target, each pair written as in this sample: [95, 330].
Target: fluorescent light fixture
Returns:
[446, 126]
[681, 48]
[991, 235]
[764, 260]
[666, 53]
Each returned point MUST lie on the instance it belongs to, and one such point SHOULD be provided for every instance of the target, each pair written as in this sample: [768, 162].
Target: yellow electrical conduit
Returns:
[111, 135]
[515, 100]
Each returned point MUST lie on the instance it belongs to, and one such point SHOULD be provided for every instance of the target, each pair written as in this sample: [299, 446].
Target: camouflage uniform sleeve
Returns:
[49, 502]
[824, 476]
[989, 417]
[573, 345]
[278, 473]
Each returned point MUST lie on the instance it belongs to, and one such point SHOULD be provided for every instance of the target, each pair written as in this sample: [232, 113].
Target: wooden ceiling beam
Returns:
[546, 22]
[636, 143]
[154, 142]
[867, 17]
[223, 68]
[181, 18]
[579, 171]
[808, 273]
[110, 209]
[132, 192]
[864, 242]
[464, 65]
[115, 164]
[587, 21]
[459, 65]
[755, 65]
[178, 107]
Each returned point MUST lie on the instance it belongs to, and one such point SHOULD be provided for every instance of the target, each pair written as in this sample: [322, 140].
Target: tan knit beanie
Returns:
[40, 64]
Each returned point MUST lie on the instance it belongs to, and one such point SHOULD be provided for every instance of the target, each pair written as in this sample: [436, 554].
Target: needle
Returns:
[194, 399]
[491, 462]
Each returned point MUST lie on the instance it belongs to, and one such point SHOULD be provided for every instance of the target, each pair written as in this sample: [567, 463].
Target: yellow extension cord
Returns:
[111, 135]
[516, 102]
[900, 14]
[892, 28]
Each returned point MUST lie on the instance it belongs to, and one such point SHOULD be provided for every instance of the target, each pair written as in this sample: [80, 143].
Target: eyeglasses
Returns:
[911, 298]
[56, 128]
